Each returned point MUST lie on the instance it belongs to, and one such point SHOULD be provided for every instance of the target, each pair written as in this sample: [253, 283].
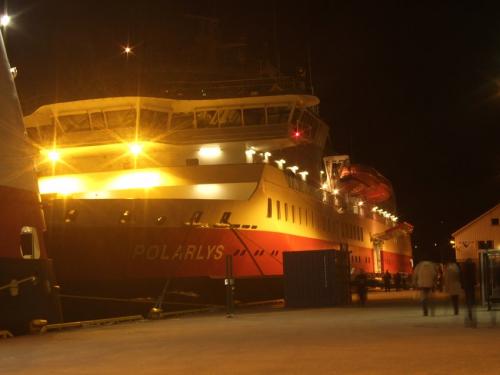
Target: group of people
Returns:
[455, 279]
[426, 277]
[398, 280]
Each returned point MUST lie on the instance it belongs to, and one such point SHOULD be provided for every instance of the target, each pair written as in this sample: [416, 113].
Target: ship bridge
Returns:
[279, 121]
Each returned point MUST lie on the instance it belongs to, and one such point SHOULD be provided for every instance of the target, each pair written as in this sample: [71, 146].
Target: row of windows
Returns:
[126, 217]
[304, 216]
[357, 259]
[158, 120]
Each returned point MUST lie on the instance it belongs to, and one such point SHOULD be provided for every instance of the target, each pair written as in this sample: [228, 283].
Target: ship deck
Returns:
[389, 336]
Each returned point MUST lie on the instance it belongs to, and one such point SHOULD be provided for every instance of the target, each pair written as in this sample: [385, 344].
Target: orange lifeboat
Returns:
[366, 183]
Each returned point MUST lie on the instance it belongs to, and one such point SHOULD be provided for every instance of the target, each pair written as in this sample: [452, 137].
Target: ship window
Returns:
[278, 210]
[293, 213]
[192, 162]
[254, 116]
[182, 120]
[71, 215]
[269, 207]
[300, 215]
[153, 120]
[206, 119]
[286, 211]
[33, 134]
[230, 117]
[30, 248]
[254, 227]
[125, 217]
[160, 220]
[494, 221]
[277, 115]
[235, 226]
[75, 123]
[225, 217]
[121, 119]
[47, 133]
[196, 217]
[97, 120]
[246, 226]
[305, 214]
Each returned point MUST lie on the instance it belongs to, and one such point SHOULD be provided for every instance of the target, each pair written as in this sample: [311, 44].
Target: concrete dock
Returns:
[388, 336]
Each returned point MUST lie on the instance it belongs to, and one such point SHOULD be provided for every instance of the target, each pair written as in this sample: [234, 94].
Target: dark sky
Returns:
[409, 87]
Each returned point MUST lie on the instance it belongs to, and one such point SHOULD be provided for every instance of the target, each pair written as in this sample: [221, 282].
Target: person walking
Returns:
[397, 281]
[452, 284]
[387, 281]
[469, 286]
[424, 278]
[362, 286]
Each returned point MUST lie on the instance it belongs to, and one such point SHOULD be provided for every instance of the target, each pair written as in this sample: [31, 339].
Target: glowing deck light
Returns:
[136, 180]
[266, 156]
[324, 186]
[452, 242]
[280, 163]
[5, 20]
[336, 191]
[127, 50]
[293, 168]
[303, 175]
[322, 172]
[53, 155]
[207, 189]
[59, 185]
[374, 209]
[210, 152]
[361, 203]
[135, 148]
[249, 155]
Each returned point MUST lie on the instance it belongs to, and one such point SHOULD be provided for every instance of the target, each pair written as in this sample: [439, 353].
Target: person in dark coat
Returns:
[469, 287]
[387, 281]
[397, 281]
[362, 286]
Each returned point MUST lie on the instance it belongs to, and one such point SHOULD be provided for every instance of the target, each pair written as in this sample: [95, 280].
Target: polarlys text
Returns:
[189, 252]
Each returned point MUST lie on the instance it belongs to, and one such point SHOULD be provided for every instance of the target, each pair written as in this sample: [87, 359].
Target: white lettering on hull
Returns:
[181, 253]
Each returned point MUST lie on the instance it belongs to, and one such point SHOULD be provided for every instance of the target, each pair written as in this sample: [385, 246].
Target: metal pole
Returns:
[229, 283]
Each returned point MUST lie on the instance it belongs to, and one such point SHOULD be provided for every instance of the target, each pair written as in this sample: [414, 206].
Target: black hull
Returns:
[37, 299]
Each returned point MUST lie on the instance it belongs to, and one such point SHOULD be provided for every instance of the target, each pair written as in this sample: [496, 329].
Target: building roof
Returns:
[475, 220]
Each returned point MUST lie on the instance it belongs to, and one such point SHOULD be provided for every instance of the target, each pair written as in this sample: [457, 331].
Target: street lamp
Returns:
[4, 20]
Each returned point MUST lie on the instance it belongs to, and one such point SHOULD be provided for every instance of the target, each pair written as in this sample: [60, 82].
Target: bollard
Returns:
[229, 283]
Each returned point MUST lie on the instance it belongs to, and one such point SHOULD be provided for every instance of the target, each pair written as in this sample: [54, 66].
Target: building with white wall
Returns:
[481, 233]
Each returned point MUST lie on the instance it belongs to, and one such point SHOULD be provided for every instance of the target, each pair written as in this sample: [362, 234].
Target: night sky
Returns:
[408, 87]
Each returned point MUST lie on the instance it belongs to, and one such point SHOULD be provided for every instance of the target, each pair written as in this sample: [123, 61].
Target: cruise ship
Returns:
[143, 193]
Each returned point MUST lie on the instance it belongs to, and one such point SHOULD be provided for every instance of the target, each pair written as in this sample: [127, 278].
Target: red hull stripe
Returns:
[118, 253]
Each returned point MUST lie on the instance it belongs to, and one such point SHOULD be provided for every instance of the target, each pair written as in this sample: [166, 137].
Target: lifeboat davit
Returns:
[366, 183]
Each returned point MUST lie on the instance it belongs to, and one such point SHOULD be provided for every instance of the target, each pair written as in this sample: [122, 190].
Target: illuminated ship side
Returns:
[27, 287]
[141, 190]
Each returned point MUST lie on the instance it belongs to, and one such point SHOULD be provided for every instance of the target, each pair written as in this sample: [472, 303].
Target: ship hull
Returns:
[137, 262]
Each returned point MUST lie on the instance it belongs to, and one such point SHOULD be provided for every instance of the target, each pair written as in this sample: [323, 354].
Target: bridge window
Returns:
[121, 119]
[75, 123]
[230, 117]
[47, 133]
[97, 121]
[33, 134]
[277, 115]
[182, 120]
[254, 116]
[153, 120]
[207, 119]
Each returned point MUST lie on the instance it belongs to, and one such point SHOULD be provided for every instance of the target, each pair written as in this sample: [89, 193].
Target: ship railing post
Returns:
[229, 283]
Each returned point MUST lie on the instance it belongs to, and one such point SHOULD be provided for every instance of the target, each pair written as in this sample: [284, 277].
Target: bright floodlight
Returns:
[210, 152]
[53, 155]
[135, 149]
[127, 50]
[5, 20]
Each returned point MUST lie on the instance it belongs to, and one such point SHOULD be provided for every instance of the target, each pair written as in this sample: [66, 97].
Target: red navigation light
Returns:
[296, 134]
